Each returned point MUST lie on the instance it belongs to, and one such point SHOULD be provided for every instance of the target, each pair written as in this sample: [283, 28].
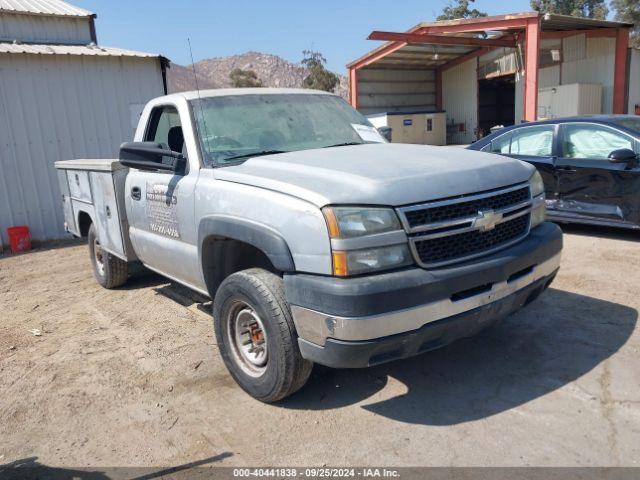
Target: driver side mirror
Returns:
[385, 132]
[151, 156]
[623, 155]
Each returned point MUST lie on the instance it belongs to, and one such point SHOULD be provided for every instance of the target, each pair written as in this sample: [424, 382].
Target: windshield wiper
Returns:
[345, 144]
[255, 154]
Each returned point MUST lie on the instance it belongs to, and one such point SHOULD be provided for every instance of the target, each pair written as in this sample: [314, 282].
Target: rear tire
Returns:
[108, 270]
[257, 337]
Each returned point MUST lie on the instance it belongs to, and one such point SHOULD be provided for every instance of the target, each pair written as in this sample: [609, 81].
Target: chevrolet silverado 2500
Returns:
[317, 240]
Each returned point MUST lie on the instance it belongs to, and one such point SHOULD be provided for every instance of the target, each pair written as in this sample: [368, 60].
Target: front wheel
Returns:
[256, 335]
[108, 270]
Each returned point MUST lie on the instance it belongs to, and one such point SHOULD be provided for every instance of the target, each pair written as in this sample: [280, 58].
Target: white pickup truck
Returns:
[317, 240]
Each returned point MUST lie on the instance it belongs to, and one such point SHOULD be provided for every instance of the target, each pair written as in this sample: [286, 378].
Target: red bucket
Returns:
[19, 239]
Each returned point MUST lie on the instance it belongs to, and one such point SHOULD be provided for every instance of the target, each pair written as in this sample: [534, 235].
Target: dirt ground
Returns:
[133, 377]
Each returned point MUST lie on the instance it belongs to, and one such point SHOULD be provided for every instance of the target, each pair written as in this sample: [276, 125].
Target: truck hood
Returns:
[378, 174]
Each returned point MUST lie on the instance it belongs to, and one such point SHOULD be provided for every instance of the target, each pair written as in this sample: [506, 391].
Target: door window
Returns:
[165, 128]
[533, 141]
[501, 144]
[592, 141]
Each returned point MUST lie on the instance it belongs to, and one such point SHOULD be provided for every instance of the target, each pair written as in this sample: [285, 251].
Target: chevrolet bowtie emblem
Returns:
[487, 220]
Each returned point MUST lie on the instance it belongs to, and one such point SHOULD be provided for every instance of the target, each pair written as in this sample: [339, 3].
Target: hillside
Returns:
[272, 70]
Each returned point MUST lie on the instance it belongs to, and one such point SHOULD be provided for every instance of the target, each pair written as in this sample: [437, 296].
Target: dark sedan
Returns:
[590, 165]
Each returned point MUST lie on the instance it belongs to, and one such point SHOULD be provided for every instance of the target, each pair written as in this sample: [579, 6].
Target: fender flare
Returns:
[260, 236]
[78, 211]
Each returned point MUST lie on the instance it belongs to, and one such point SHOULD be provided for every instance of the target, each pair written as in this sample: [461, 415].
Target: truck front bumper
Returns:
[364, 321]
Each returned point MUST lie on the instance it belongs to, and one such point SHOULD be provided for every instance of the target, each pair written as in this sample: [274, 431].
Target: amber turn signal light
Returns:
[332, 222]
[340, 264]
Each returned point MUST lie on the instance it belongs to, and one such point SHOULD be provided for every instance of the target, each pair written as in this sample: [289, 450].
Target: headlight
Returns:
[356, 262]
[536, 184]
[538, 209]
[365, 240]
[350, 222]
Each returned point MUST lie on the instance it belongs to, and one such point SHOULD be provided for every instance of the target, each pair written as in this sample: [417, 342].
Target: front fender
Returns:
[260, 236]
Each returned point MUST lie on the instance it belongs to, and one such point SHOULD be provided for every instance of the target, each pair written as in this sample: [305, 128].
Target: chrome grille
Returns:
[451, 247]
[469, 208]
[449, 231]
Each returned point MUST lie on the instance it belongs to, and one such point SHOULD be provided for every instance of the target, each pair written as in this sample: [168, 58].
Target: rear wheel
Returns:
[256, 335]
[108, 270]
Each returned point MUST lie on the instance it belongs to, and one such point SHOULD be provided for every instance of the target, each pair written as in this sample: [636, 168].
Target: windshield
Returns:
[630, 123]
[236, 127]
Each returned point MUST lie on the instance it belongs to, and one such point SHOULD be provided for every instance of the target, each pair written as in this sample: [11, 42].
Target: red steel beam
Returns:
[620, 71]
[439, 39]
[376, 55]
[532, 54]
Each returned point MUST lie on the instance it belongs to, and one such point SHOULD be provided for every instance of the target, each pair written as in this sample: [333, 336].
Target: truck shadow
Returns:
[552, 342]
[31, 468]
[601, 232]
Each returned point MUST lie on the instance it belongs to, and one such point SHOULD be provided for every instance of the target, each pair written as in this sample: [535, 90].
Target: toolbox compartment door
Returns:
[107, 214]
[69, 220]
[79, 186]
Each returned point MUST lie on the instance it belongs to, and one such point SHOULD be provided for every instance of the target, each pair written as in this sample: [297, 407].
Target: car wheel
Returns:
[108, 270]
[256, 335]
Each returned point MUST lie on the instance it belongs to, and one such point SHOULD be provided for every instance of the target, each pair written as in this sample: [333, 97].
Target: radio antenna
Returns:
[195, 78]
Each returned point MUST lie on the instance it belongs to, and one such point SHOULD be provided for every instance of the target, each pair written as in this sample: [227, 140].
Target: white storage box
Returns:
[426, 128]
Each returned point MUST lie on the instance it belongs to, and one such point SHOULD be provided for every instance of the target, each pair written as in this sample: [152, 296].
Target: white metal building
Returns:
[61, 97]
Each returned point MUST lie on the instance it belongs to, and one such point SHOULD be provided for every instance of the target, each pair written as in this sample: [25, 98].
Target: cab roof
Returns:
[226, 92]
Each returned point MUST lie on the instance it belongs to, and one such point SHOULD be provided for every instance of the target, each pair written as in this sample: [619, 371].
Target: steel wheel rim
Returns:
[98, 255]
[248, 339]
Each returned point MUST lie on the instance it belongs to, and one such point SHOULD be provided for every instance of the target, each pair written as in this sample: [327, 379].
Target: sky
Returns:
[337, 28]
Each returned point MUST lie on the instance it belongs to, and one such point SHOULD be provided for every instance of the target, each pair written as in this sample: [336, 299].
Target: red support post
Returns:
[620, 72]
[353, 87]
[532, 53]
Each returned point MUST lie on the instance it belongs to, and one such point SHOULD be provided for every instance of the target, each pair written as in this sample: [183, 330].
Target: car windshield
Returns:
[236, 127]
[629, 122]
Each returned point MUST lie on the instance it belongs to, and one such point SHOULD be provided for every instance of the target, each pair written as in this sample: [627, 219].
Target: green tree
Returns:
[319, 78]
[629, 11]
[576, 8]
[460, 9]
[244, 78]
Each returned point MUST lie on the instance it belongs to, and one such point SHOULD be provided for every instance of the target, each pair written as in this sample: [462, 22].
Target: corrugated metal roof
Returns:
[43, 7]
[71, 50]
[550, 21]
[423, 56]
[554, 22]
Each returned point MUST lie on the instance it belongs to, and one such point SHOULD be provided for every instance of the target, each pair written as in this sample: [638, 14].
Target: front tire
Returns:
[256, 335]
[108, 270]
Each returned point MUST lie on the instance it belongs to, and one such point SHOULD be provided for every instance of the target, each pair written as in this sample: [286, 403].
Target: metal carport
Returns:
[437, 47]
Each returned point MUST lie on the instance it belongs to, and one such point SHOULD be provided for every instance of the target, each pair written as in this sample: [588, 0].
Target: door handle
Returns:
[136, 194]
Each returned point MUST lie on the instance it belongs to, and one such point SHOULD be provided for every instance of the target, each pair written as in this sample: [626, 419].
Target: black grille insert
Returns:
[470, 208]
[451, 247]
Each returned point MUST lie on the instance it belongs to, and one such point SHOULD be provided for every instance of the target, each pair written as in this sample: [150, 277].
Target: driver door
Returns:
[161, 205]
[591, 186]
